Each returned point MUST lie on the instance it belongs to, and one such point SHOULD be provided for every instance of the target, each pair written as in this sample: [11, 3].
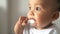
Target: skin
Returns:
[19, 26]
[44, 15]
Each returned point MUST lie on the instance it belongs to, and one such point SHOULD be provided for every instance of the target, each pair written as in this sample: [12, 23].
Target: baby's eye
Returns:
[29, 8]
[37, 8]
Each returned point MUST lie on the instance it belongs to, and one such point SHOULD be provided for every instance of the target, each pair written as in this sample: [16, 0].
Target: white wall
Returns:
[3, 17]
[57, 22]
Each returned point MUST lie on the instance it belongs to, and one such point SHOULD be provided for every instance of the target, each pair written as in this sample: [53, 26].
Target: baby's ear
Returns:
[55, 15]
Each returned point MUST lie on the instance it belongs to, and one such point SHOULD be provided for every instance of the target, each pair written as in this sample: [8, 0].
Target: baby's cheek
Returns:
[41, 18]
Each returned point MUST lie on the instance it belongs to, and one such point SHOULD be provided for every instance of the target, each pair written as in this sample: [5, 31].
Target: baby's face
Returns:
[40, 11]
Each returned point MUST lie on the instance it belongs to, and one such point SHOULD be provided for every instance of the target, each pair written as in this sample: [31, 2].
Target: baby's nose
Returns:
[31, 13]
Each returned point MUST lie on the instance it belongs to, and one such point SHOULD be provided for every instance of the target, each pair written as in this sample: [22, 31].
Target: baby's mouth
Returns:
[31, 21]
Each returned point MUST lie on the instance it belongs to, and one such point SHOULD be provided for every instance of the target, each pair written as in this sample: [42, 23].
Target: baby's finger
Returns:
[25, 22]
[21, 19]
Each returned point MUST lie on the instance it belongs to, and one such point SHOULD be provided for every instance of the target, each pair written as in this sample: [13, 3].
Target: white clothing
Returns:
[51, 30]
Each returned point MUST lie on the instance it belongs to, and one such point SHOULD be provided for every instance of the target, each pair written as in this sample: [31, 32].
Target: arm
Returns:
[19, 26]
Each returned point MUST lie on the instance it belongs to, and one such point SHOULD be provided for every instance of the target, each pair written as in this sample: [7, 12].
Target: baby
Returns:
[43, 12]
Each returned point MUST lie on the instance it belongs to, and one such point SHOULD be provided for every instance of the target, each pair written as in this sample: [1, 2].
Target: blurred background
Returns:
[10, 10]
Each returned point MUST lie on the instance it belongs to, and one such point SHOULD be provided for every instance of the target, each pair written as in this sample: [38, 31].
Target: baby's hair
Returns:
[59, 5]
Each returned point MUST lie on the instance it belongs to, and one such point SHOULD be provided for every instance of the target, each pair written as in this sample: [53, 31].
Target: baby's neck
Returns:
[47, 26]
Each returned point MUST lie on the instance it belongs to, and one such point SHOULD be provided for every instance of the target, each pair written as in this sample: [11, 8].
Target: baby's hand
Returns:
[19, 26]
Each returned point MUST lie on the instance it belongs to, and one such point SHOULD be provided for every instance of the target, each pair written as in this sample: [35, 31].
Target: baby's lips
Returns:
[32, 19]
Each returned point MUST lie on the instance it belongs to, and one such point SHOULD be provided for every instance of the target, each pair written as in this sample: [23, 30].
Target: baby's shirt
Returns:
[51, 30]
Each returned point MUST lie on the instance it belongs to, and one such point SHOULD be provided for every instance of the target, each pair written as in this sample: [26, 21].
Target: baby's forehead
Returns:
[45, 3]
